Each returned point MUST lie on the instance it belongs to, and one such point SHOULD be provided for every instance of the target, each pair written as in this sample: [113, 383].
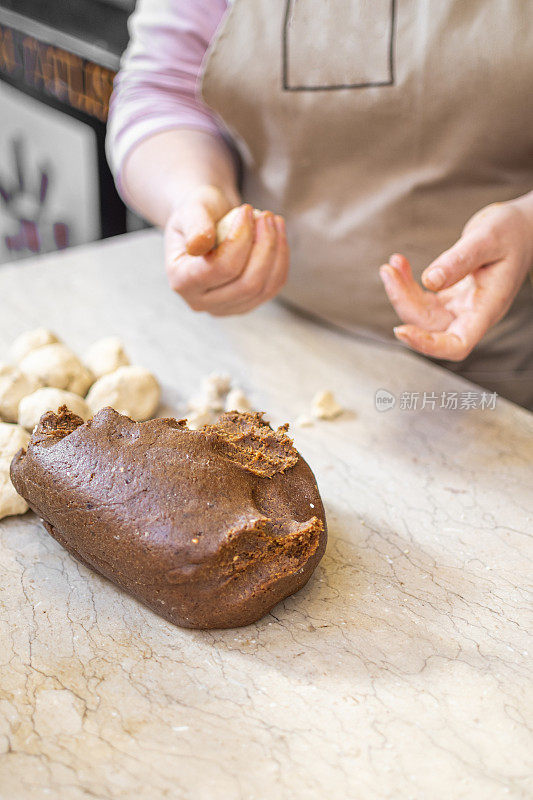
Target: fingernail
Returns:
[435, 277]
[246, 213]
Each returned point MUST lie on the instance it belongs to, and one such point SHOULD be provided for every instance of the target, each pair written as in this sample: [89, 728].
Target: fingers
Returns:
[238, 242]
[476, 304]
[191, 276]
[279, 273]
[276, 278]
[199, 229]
[249, 267]
[454, 344]
[430, 327]
[473, 250]
[468, 327]
[412, 304]
[473, 285]
[437, 344]
[198, 218]
[252, 280]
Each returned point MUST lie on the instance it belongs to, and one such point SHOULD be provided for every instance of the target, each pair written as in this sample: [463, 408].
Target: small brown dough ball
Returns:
[106, 355]
[14, 385]
[33, 406]
[56, 365]
[12, 438]
[131, 390]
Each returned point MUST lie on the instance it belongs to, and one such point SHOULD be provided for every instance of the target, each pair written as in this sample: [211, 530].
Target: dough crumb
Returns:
[216, 394]
[14, 385]
[12, 438]
[31, 340]
[237, 401]
[218, 383]
[105, 356]
[199, 417]
[213, 390]
[33, 406]
[324, 406]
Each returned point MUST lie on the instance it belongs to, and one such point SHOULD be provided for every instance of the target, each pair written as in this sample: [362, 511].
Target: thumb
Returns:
[199, 216]
[468, 254]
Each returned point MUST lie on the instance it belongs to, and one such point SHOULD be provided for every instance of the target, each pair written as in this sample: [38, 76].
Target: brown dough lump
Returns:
[209, 528]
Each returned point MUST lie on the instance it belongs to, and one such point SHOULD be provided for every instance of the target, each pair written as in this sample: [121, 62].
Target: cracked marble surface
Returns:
[402, 670]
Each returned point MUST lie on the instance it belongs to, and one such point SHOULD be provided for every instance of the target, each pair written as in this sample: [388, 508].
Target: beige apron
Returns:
[377, 126]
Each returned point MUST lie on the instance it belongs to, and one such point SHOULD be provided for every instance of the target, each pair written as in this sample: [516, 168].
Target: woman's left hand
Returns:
[471, 285]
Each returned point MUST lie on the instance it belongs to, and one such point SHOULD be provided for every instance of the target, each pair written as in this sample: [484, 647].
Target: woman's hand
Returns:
[471, 285]
[248, 268]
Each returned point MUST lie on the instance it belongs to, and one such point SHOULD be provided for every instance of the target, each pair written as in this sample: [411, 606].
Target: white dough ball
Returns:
[56, 365]
[33, 406]
[14, 385]
[224, 224]
[106, 355]
[12, 438]
[131, 390]
[31, 340]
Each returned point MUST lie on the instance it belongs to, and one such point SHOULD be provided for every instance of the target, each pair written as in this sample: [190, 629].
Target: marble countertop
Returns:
[402, 670]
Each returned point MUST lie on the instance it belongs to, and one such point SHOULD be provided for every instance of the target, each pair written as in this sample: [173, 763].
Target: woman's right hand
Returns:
[248, 268]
